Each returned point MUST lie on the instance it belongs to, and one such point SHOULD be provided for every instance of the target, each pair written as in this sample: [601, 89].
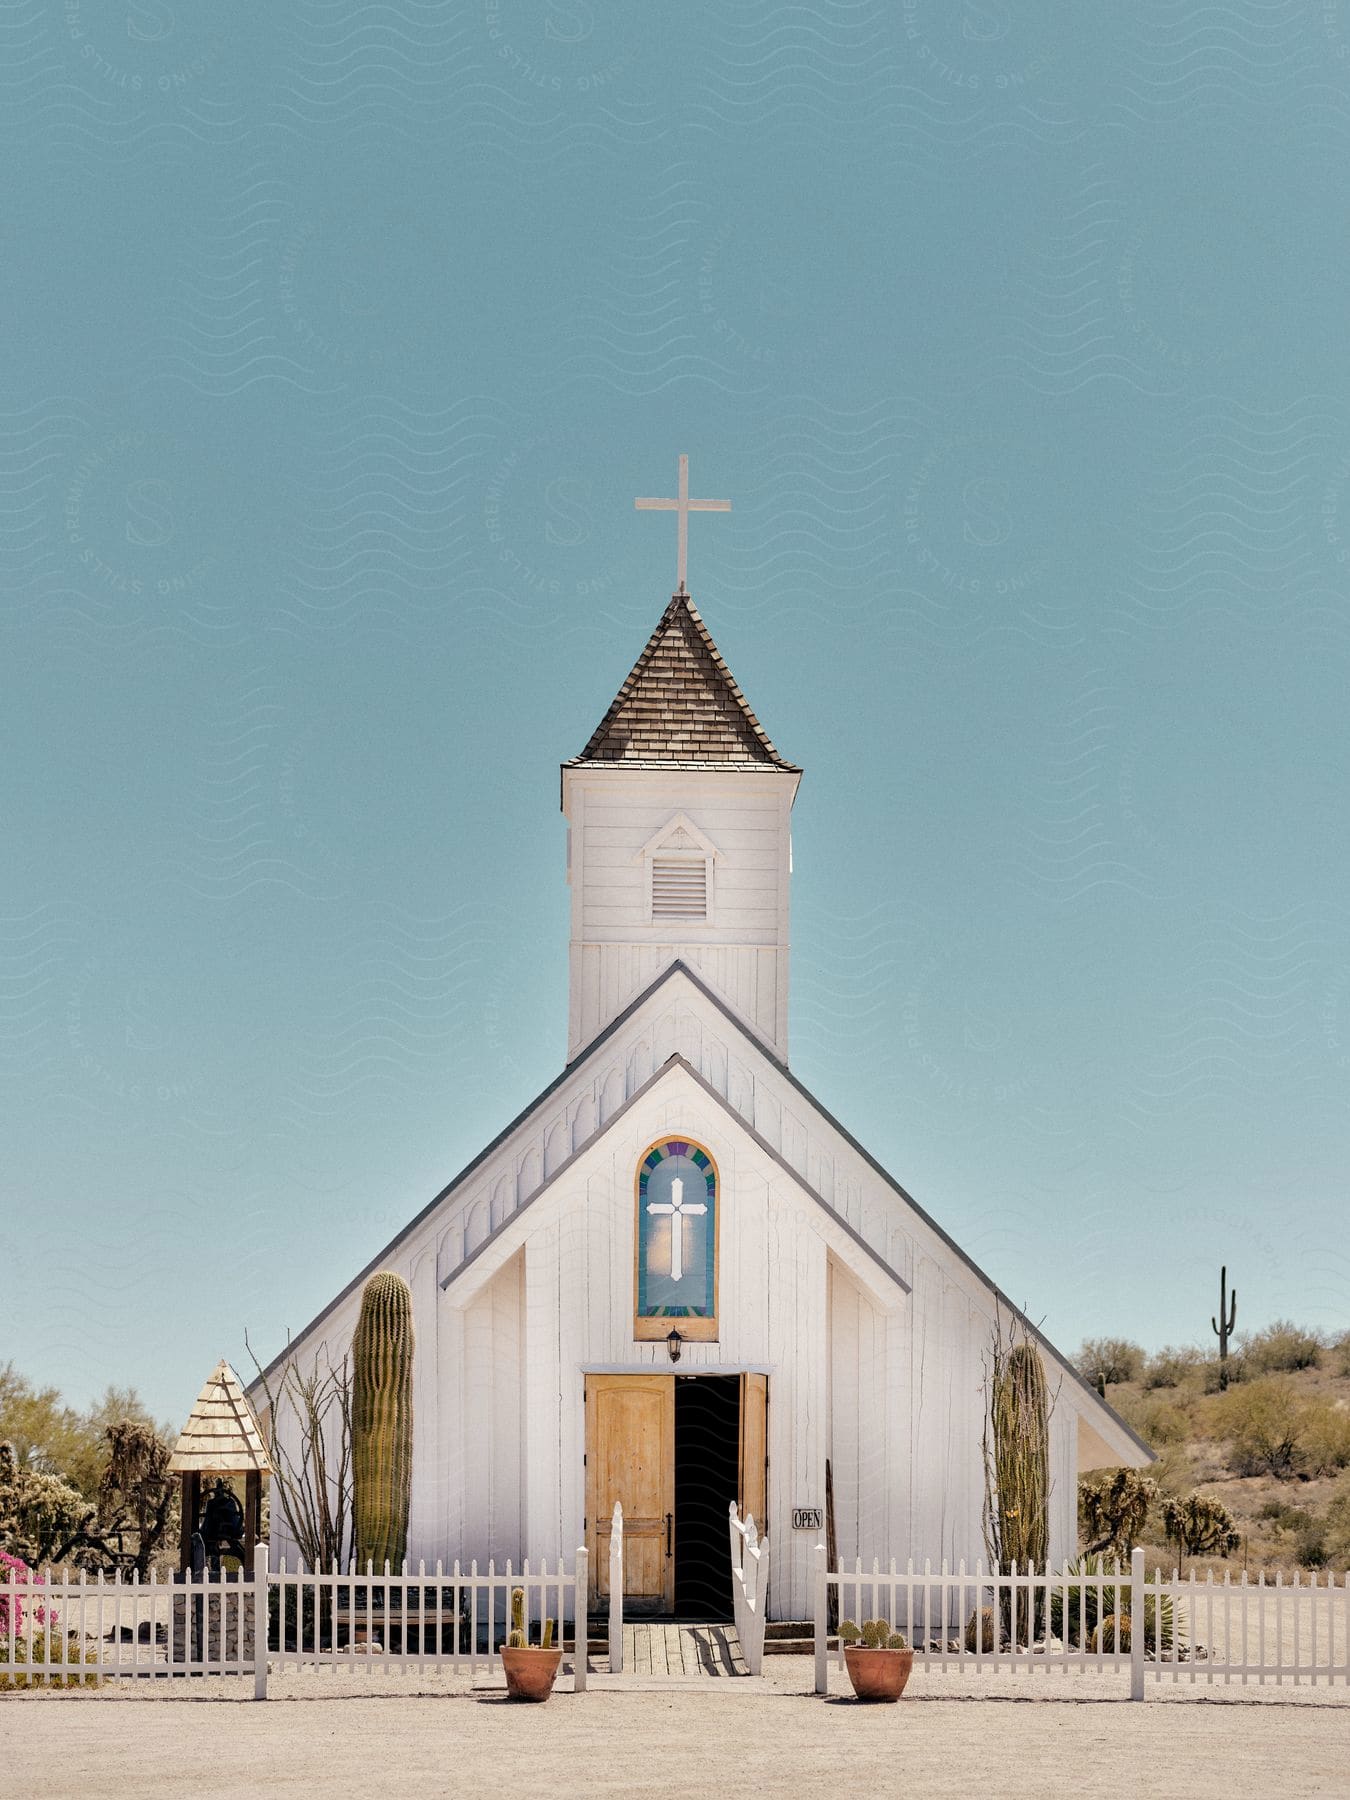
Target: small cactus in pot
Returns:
[878, 1658]
[531, 1669]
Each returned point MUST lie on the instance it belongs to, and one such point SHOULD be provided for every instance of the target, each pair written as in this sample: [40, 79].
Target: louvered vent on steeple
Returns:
[679, 887]
[680, 860]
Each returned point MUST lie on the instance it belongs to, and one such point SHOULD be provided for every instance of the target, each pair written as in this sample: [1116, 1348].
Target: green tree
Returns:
[46, 1434]
[1264, 1422]
[1110, 1360]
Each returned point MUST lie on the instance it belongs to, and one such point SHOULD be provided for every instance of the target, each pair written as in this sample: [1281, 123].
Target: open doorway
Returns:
[707, 1480]
[675, 1451]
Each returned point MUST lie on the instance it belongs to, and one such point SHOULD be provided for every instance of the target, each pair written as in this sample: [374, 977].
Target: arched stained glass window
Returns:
[677, 1205]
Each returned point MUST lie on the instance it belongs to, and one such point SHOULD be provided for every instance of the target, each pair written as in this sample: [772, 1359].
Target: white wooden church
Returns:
[675, 1279]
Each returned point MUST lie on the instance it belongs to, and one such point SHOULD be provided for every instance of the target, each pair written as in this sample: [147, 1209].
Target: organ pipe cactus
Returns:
[1019, 1415]
[382, 1360]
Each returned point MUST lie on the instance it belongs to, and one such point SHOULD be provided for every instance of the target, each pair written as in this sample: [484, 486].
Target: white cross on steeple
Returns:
[683, 506]
[678, 1212]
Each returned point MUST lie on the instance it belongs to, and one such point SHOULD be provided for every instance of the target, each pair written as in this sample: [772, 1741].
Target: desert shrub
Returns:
[1217, 1377]
[1112, 1508]
[1163, 1422]
[1169, 1367]
[1284, 1517]
[1310, 1546]
[1311, 1539]
[1282, 1349]
[1264, 1423]
[1336, 1527]
[1340, 1354]
[67, 1649]
[1326, 1437]
[1113, 1359]
[1199, 1526]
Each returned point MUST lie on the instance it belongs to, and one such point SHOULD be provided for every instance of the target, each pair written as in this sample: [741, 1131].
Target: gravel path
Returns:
[322, 1735]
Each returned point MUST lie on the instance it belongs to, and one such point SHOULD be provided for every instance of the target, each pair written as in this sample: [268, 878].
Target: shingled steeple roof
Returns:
[681, 707]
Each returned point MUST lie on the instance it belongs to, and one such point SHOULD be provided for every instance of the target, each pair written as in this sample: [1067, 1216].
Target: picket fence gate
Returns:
[233, 1623]
[1198, 1632]
[749, 1586]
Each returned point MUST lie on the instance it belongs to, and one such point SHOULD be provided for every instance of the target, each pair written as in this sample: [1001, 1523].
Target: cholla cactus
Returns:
[872, 1634]
[1199, 1526]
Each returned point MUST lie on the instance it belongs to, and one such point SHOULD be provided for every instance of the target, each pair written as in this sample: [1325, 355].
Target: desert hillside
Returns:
[1272, 1447]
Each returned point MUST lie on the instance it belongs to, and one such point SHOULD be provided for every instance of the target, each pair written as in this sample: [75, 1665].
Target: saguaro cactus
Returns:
[382, 1361]
[1223, 1325]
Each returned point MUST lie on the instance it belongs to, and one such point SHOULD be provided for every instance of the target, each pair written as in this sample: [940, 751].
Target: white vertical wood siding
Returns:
[617, 949]
[889, 1386]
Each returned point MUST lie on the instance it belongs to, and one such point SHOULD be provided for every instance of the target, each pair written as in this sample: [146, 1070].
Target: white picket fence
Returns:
[435, 1618]
[749, 1586]
[1198, 1632]
[100, 1629]
[82, 1630]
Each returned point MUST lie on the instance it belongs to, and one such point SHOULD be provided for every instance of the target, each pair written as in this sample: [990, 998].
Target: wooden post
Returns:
[260, 1616]
[189, 1505]
[581, 1621]
[822, 1644]
[252, 1508]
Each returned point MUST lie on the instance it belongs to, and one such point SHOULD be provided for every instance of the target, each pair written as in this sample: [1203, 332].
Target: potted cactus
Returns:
[531, 1669]
[878, 1659]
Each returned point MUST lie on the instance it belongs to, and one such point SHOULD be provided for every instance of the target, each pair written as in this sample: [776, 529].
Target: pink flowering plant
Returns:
[16, 1576]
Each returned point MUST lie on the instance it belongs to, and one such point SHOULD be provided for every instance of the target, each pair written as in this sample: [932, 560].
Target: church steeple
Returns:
[681, 706]
[679, 845]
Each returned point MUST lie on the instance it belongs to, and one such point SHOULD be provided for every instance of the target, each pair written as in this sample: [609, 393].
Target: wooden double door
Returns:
[674, 1450]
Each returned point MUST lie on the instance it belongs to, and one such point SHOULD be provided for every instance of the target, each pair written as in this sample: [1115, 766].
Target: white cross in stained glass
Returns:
[678, 1212]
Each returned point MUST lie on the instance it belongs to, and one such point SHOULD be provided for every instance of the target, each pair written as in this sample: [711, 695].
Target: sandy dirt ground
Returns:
[321, 1734]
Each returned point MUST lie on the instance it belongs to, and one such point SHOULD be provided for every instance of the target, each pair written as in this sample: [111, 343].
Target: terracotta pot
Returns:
[530, 1673]
[878, 1674]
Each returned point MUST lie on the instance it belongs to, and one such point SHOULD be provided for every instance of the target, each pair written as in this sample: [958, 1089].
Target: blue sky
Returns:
[337, 347]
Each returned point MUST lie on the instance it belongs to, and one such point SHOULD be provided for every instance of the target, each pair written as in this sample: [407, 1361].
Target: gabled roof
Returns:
[222, 1436]
[673, 970]
[681, 707]
[674, 1062]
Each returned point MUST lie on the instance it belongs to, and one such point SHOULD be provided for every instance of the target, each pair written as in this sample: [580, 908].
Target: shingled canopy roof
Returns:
[222, 1435]
[681, 706]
